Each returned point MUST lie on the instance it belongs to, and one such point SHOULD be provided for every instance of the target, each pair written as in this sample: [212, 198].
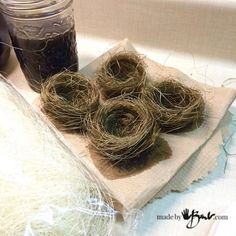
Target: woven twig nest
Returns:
[69, 99]
[123, 129]
[175, 106]
[123, 73]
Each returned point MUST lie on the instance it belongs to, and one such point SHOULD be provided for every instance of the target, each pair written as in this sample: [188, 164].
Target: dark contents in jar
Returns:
[4, 39]
[41, 58]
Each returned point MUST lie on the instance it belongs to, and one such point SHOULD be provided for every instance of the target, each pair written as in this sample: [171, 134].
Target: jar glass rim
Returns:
[33, 8]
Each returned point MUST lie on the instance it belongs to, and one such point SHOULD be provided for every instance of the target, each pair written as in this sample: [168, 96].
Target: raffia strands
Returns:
[175, 106]
[44, 188]
[122, 73]
[123, 129]
[69, 99]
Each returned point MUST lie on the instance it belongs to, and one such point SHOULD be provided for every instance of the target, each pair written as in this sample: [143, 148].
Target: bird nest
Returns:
[123, 73]
[122, 130]
[69, 100]
[175, 106]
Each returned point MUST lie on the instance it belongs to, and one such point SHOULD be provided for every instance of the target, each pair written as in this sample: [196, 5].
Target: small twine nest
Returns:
[175, 106]
[123, 129]
[123, 73]
[69, 99]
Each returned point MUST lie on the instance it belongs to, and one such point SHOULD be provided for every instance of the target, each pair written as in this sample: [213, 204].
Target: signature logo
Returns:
[194, 217]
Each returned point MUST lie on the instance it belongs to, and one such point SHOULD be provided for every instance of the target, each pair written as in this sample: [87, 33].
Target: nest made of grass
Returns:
[175, 106]
[123, 129]
[69, 99]
[123, 73]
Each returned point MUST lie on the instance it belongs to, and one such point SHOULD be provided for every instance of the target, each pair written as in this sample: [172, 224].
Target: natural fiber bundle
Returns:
[69, 99]
[175, 106]
[122, 73]
[122, 129]
[45, 189]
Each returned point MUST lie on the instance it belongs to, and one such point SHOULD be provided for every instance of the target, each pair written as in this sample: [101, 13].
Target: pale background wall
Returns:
[205, 27]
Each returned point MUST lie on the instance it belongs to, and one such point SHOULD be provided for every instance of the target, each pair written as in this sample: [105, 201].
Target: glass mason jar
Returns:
[43, 35]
